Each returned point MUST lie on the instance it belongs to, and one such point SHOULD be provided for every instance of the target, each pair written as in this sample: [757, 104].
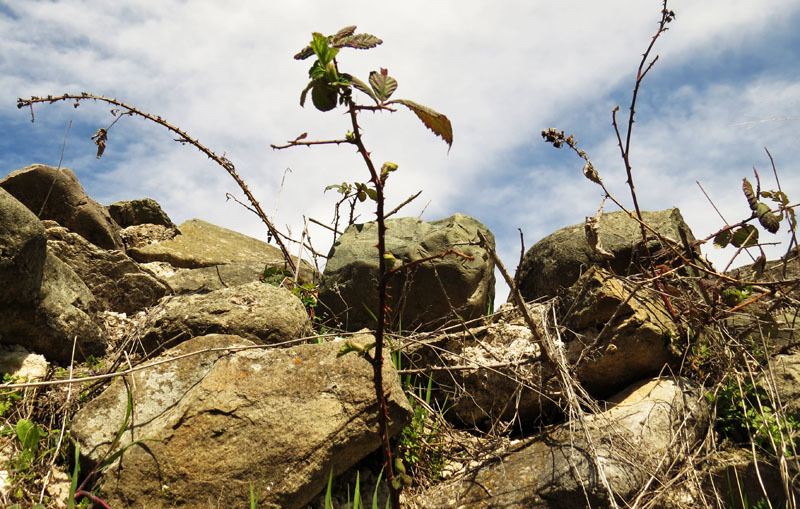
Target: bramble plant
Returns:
[329, 88]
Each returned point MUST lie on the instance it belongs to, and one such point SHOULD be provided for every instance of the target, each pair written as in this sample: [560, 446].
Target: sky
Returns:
[725, 87]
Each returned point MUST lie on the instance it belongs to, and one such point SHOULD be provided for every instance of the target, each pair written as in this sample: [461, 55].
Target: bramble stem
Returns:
[184, 138]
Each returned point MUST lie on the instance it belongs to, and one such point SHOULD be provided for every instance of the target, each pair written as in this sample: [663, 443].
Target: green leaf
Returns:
[768, 220]
[436, 122]
[344, 38]
[383, 84]
[723, 238]
[320, 46]
[746, 236]
[363, 87]
[28, 434]
[747, 188]
[324, 96]
[304, 93]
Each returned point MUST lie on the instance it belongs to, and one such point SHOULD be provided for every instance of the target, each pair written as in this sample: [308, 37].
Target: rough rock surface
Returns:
[61, 315]
[215, 422]
[202, 244]
[23, 246]
[116, 281]
[786, 369]
[556, 261]
[136, 212]
[55, 194]
[421, 297]
[141, 235]
[499, 372]
[631, 438]
[636, 340]
[21, 364]
[208, 279]
[495, 371]
[256, 311]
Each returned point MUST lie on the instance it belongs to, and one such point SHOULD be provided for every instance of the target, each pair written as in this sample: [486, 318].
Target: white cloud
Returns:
[501, 72]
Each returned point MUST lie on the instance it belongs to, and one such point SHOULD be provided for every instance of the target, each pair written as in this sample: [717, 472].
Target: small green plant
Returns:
[306, 292]
[744, 412]
[329, 88]
[415, 445]
[8, 397]
[357, 502]
[28, 435]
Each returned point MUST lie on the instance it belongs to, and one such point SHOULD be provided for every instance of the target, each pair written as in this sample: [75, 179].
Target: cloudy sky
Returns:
[727, 84]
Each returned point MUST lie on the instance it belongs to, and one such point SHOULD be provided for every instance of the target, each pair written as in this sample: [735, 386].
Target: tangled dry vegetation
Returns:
[730, 325]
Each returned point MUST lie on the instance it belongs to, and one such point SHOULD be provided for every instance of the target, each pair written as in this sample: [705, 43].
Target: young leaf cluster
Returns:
[746, 235]
[329, 87]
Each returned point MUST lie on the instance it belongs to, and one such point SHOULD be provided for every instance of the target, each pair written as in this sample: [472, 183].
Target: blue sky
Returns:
[726, 86]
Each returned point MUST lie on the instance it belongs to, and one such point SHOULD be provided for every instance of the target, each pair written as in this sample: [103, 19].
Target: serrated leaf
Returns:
[747, 188]
[383, 84]
[358, 41]
[373, 194]
[723, 238]
[304, 93]
[344, 32]
[746, 236]
[360, 85]
[433, 120]
[345, 37]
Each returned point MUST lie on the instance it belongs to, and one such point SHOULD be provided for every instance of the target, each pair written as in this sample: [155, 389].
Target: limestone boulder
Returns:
[209, 279]
[649, 426]
[61, 315]
[202, 244]
[23, 248]
[426, 295]
[140, 235]
[55, 194]
[136, 212]
[213, 423]
[556, 261]
[616, 333]
[115, 280]
[256, 311]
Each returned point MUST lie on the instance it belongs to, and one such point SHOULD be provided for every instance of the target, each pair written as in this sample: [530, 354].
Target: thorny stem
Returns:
[377, 360]
[666, 17]
[184, 138]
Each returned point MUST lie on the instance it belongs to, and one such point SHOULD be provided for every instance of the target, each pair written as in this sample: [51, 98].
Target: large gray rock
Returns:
[44, 306]
[213, 423]
[556, 261]
[136, 212]
[60, 316]
[653, 424]
[420, 298]
[23, 245]
[256, 311]
[202, 244]
[116, 281]
[55, 194]
[208, 279]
